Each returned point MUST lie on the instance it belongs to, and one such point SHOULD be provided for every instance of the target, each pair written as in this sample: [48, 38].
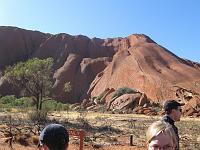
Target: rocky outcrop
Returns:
[77, 59]
[79, 73]
[192, 107]
[149, 68]
[93, 65]
[129, 101]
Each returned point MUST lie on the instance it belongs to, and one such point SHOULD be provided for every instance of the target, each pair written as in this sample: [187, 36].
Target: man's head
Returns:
[173, 109]
[54, 137]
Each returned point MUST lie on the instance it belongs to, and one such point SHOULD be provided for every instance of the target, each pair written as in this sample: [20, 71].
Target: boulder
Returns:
[125, 101]
[128, 101]
[192, 107]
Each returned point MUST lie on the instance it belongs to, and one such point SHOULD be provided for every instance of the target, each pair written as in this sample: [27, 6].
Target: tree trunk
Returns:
[40, 108]
[38, 102]
[41, 100]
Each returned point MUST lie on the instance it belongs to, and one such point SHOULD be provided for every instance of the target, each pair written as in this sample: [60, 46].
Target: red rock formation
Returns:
[93, 65]
[17, 44]
[192, 106]
[77, 58]
[128, 101]
[149, 68]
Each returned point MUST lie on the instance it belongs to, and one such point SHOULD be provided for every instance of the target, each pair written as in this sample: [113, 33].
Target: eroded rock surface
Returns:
[93, 65]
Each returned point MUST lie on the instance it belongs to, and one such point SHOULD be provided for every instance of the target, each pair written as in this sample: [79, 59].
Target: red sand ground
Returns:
[73, 147]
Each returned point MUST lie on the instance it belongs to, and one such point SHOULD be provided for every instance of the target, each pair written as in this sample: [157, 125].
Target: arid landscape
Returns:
[112, 88]
[102, 69]
[104, 131]
[97, 71]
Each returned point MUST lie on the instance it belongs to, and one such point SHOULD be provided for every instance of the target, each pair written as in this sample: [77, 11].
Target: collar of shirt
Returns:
[168, 119]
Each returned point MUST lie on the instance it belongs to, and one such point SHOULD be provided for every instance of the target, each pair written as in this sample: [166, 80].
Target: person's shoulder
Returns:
[164, 118]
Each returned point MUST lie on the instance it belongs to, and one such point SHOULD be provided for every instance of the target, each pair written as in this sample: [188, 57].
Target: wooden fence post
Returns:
[81, 134]
[10, 133]
[131, 140]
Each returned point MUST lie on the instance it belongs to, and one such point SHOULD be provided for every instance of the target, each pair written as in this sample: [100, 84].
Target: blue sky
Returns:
[174, 24]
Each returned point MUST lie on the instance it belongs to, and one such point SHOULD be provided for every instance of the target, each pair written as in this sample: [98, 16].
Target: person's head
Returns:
[54, 137]
[173, 109]
[160, 135]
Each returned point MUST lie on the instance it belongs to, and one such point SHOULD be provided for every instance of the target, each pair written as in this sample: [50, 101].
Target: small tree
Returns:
[33, 77]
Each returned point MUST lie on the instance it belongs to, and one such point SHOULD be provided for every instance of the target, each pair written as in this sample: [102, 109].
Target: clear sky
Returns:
[174, 24]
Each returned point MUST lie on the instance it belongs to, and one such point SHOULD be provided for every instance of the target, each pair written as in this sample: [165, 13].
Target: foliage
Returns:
[11, 101]
[100, 96]
[24, 103]
[7, 99]
[157, 109]
[33, 77]
[52, 105]
[67, 87]
[123, 90]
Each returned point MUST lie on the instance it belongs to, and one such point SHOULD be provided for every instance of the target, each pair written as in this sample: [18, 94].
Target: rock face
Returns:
[94, 65]
[77, 59]
[149, 68]
[18, 44]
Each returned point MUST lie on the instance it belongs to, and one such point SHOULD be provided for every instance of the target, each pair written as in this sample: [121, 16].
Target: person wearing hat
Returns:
[54, 137]
[173, 111]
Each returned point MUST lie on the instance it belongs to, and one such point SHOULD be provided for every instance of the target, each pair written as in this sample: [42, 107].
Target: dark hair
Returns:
[55, 137]
[171, 104]
[168, 111]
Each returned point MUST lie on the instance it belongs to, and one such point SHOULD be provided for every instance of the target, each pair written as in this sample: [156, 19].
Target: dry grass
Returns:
[112, 131]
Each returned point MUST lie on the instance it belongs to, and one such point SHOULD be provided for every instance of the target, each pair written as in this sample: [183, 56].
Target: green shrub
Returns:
[8, 99]
[59, 106]
[99, 99]
[123, 90]
[157, 109]
[53, 105]
[11, 101]
[49, 105]
[23, 102]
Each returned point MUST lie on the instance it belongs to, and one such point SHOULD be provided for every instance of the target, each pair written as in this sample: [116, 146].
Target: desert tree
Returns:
[33, 77]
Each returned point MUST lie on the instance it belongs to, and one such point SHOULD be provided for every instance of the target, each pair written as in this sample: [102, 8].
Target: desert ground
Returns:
[104, 131]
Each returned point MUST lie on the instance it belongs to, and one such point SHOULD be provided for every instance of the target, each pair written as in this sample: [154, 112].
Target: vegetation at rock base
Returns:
[33, 77]
[100, 96]
[123, 90]
[10, 102]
